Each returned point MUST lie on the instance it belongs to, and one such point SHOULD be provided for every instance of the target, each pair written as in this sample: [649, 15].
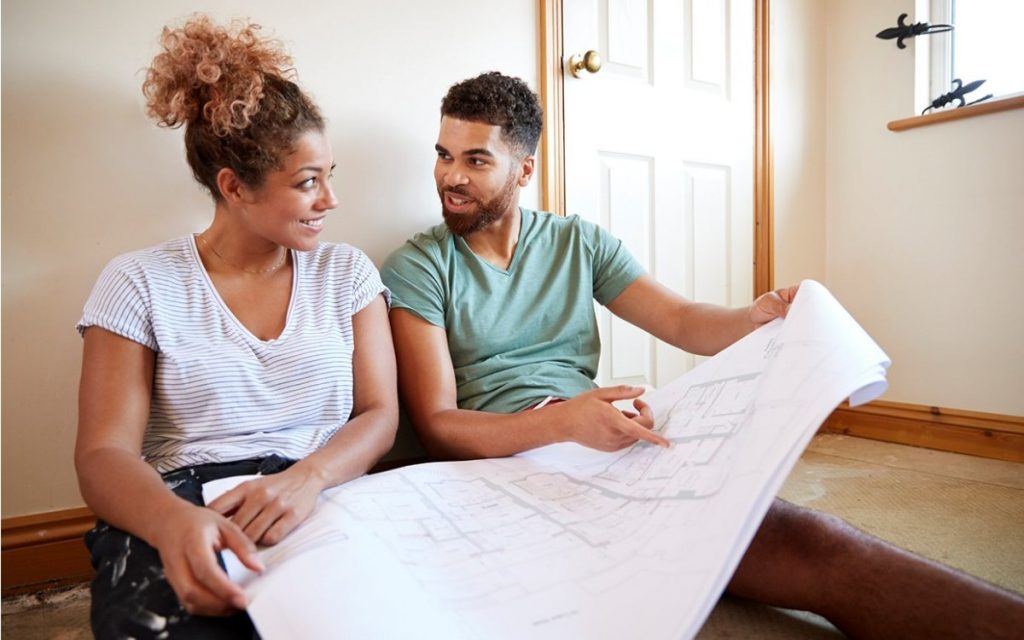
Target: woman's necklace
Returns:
[258, 272]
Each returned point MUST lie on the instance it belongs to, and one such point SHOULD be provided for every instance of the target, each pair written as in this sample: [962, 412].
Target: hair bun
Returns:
[212, 72]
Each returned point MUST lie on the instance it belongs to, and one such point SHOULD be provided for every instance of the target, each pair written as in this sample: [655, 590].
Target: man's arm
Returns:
[427, 382]
[700, 328]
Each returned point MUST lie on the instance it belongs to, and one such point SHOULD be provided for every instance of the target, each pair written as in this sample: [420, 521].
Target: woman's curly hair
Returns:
[500, 100]
[231, 90]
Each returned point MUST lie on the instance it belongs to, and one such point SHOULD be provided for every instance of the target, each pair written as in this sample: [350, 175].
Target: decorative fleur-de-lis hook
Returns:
[958, 94]
[904, 30]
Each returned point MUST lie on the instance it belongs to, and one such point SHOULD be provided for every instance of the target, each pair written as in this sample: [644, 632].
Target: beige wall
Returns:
[86, 176]
[923, 229]
[798, 133]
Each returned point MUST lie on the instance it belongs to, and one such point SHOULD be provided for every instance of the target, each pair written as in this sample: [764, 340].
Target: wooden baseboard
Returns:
[45, 550]
[988, 435]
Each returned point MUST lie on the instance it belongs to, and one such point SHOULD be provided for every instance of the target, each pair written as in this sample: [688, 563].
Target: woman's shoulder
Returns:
[167, 256]
[334, 260]
[333, 252]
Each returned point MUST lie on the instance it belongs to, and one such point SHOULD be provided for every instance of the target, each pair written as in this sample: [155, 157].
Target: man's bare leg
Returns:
[802, 559]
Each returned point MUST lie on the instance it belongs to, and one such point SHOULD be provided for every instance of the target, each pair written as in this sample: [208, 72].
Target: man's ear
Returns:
[526, 168]
[232, 189]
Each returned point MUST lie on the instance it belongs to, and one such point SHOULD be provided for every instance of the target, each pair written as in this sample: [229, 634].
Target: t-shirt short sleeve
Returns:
[614, 267]
[367, 283]
[120, 303]
[411, 276]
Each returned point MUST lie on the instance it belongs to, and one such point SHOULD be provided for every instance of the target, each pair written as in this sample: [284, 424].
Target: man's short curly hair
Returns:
[500, 100]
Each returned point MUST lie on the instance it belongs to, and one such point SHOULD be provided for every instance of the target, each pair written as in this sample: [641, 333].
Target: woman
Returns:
[238, 350]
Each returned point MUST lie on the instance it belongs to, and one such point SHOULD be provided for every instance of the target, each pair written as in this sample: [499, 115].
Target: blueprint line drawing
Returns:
[565, 541]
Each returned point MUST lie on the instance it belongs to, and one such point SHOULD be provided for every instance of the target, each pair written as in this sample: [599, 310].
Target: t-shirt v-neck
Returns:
[238, 324]
[520, 245]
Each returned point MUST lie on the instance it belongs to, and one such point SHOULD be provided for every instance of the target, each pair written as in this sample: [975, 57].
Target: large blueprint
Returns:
[564, 542]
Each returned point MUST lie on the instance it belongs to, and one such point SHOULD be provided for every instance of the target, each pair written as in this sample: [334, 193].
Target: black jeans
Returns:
[131, 598]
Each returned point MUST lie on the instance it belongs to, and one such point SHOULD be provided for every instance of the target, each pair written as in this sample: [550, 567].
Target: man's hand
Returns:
[594, 422]
[771, 305]
[188, 544]
[269, 508]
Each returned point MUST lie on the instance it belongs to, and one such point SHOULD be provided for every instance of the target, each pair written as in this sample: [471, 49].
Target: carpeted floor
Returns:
[963, 511]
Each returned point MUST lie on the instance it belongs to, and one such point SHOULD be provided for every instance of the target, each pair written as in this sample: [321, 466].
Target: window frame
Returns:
[933, 74]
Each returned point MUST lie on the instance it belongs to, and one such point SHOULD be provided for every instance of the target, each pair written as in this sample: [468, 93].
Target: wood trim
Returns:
[552, 144]
[41, 528]
[764, 179]
[988, 435]
[45, 550]
[980, 109]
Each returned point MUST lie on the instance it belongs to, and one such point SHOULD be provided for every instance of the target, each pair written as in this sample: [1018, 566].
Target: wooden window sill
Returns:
[1002, 104]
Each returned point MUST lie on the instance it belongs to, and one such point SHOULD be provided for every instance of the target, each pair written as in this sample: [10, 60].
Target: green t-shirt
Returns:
[518, 335]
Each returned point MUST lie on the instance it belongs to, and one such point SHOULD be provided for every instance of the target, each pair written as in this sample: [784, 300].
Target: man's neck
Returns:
[497, 242]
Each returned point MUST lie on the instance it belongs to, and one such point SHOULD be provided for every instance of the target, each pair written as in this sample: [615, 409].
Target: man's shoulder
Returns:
[555, 223]
[427, 247]
[562, 231]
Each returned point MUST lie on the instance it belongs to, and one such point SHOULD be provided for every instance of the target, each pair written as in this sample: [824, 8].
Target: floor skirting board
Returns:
[988, 435]
[45, 550]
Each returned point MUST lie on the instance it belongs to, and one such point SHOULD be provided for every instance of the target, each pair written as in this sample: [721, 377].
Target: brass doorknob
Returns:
[590, 61]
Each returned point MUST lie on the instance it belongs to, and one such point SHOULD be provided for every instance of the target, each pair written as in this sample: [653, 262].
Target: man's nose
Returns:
[455, 177]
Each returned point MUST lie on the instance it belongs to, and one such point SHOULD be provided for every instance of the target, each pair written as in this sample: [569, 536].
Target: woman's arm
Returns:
[269, 508]
[113, 408]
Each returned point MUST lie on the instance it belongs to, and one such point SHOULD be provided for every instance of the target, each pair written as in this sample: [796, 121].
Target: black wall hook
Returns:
[904, 30]
[959, 92]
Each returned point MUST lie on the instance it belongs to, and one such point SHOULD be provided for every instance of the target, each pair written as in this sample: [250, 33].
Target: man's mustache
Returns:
[459, 189]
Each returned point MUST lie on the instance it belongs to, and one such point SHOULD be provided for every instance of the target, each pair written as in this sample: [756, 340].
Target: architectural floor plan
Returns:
[566, 542]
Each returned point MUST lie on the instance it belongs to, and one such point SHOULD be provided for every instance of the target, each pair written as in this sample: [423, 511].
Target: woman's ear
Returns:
[232, 189]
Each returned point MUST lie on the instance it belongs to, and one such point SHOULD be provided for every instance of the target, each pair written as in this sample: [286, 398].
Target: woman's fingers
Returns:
[212, 581]
[243, 548]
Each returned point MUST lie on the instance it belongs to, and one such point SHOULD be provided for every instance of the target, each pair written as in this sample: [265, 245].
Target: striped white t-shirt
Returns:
[219, 392]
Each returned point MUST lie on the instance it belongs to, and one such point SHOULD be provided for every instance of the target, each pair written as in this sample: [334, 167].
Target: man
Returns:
[497, 347]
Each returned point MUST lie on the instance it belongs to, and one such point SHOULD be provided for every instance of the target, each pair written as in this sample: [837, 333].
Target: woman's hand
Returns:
[269, 508]
[188, 542]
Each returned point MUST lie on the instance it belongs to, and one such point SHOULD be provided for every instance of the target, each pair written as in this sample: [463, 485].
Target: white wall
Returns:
[86, 176]
[797, 114]
[924, 229]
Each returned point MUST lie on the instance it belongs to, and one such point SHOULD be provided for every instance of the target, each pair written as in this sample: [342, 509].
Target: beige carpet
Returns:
[964, 511]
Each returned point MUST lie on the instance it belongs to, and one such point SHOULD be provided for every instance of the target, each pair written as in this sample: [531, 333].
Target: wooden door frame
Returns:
[552, 145]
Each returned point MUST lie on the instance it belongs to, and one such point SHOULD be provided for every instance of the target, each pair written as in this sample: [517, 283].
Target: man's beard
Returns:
[463, 224]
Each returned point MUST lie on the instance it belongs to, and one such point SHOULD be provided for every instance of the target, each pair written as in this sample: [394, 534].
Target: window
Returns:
[985, 45]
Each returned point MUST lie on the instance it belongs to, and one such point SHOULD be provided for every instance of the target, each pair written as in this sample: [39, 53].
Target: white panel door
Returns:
[659, 150]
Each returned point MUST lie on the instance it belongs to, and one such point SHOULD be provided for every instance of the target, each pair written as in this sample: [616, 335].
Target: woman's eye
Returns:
[308, 183]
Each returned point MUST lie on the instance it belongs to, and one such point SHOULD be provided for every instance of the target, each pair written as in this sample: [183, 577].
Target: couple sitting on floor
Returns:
[253, 347]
